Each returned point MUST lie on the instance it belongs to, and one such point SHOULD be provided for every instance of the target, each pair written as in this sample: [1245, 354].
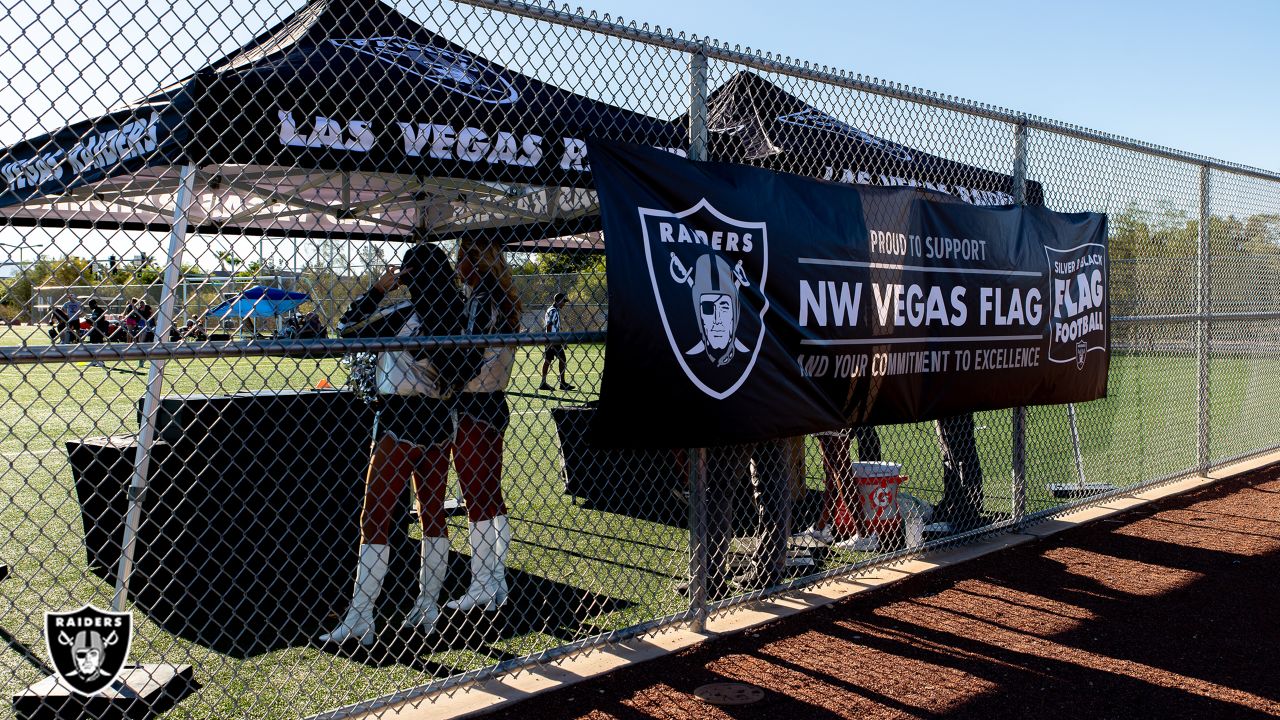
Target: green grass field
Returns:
[621, 570]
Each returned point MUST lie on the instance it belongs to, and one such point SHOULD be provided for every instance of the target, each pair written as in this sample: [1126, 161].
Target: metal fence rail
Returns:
[286, 487]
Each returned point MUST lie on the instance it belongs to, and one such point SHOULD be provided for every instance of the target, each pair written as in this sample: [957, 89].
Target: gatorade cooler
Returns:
[878, 497]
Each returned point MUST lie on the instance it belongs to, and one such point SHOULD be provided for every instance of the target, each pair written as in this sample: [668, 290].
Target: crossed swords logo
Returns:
[684, 276]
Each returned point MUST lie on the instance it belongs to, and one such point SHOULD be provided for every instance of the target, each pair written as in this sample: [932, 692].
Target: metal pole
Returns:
[698, 570]
[1075, 444]
[155, 383]
[697, 456]
[1018, 416]
[698, 106]
[1204, 303]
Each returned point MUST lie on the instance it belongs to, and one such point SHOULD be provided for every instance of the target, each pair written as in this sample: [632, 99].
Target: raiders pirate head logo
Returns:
[455, 71]
[88, 647]
[1082, 351]
[708, 273]
[715, 301]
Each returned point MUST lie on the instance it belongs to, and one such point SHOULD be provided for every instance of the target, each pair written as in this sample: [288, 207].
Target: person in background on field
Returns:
[777, 468]
[728, 467]
[132, 319]
[555, 351]
[72, 308]
[312, 326]
[193, 331]
[148, 324]
[98, 327]
[57, 324]
[288, 327]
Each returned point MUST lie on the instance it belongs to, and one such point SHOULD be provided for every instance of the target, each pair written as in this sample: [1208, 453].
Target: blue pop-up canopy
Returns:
[261, 302]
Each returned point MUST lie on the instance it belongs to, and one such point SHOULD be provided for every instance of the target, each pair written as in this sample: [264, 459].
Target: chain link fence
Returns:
[328, 487]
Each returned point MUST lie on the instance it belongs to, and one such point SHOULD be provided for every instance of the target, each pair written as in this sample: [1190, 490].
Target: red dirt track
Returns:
[1169, 611]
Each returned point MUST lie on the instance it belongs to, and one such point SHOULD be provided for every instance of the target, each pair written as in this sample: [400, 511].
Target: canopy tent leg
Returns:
[1075, 443]
[155, 383]
[1082, 487]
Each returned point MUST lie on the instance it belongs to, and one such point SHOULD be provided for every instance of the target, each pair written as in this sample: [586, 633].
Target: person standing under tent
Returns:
[482, 414]
[555, 351]
[415, 427]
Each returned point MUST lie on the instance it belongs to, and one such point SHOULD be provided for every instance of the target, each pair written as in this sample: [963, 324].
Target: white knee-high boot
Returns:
[358, 622]
[489, 540]
[435, 563]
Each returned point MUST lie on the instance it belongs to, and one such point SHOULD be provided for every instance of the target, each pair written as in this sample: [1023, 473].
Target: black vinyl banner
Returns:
[747, 304]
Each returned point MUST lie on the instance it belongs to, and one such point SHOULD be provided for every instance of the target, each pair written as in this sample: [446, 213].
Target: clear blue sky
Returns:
[1196, 76]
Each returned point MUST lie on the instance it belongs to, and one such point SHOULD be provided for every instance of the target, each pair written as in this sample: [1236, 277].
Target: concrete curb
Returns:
[491, 695]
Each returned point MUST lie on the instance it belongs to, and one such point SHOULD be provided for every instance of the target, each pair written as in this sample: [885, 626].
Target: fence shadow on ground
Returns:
[535, 605]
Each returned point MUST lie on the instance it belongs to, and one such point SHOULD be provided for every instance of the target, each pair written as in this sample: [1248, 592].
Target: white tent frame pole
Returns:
[155, 384]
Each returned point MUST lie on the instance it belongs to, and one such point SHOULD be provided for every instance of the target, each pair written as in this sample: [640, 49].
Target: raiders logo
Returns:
[450, 70]
[708, 272]
[88, 647]
[1082, 351]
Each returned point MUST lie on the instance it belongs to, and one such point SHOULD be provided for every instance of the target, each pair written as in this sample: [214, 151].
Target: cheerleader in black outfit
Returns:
[492, 307]
[415, 428]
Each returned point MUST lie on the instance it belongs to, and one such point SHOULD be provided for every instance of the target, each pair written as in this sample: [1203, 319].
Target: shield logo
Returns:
[88, 647]
[708, 273]
[1082, 350]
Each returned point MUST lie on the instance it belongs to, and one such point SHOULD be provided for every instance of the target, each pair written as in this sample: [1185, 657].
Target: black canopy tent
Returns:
[751, 120]
[346, 118]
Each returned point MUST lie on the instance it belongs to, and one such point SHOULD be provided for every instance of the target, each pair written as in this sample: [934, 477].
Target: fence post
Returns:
[155, 383]
[698, 456]
[1018, 416]
[1204, 304]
